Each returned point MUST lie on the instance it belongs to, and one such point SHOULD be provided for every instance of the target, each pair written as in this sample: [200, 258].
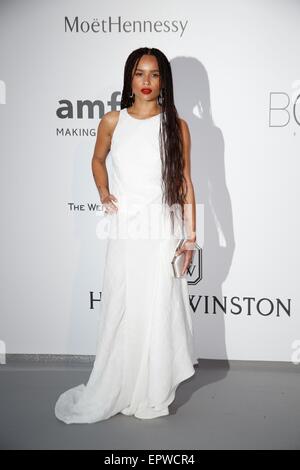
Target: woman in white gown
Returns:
[145, 336]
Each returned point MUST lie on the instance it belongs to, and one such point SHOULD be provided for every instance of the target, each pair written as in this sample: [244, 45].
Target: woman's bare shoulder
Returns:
[182, 122]
[184, 128]
[109, 121]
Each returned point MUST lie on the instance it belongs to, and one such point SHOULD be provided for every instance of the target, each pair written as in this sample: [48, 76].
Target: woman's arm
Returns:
[101, 150]
[190, 203]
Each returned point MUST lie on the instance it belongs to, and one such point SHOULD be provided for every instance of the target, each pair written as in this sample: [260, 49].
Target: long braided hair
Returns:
[170, 138]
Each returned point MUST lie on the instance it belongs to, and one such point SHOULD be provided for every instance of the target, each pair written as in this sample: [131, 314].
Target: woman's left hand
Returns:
[189, 249]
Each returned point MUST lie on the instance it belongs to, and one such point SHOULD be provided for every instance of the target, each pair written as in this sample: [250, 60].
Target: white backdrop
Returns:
[237, 77]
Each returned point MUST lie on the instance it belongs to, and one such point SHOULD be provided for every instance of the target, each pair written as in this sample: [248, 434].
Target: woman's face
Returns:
[146, 76]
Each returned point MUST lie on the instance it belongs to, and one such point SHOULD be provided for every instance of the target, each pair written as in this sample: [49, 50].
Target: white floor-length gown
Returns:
[145, 334]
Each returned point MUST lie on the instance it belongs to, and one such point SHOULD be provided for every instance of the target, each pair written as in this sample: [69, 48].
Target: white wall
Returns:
[229, 59]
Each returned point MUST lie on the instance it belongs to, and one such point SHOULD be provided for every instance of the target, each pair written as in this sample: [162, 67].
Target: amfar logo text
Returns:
[118, 25]
[68, 110]
[83, 109]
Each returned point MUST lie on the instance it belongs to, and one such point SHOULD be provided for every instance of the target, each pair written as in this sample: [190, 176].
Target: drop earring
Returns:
[160, 98]
[131, 96]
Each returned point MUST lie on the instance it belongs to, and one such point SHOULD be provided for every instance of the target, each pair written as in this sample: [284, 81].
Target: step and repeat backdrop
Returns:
[236, 73]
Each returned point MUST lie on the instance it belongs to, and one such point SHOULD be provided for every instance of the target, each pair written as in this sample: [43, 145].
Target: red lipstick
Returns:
[146, 91]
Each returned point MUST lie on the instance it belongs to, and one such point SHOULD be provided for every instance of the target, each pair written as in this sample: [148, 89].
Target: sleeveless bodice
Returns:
[136, 162]
[136, 180]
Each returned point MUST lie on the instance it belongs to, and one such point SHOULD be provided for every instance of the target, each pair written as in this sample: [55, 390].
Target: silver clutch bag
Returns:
[178, 260]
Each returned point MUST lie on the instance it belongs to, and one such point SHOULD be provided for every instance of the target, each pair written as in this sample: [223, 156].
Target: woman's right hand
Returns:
[108, 203]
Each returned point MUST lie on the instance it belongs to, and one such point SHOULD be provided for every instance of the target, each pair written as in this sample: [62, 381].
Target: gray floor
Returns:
[241, 405]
